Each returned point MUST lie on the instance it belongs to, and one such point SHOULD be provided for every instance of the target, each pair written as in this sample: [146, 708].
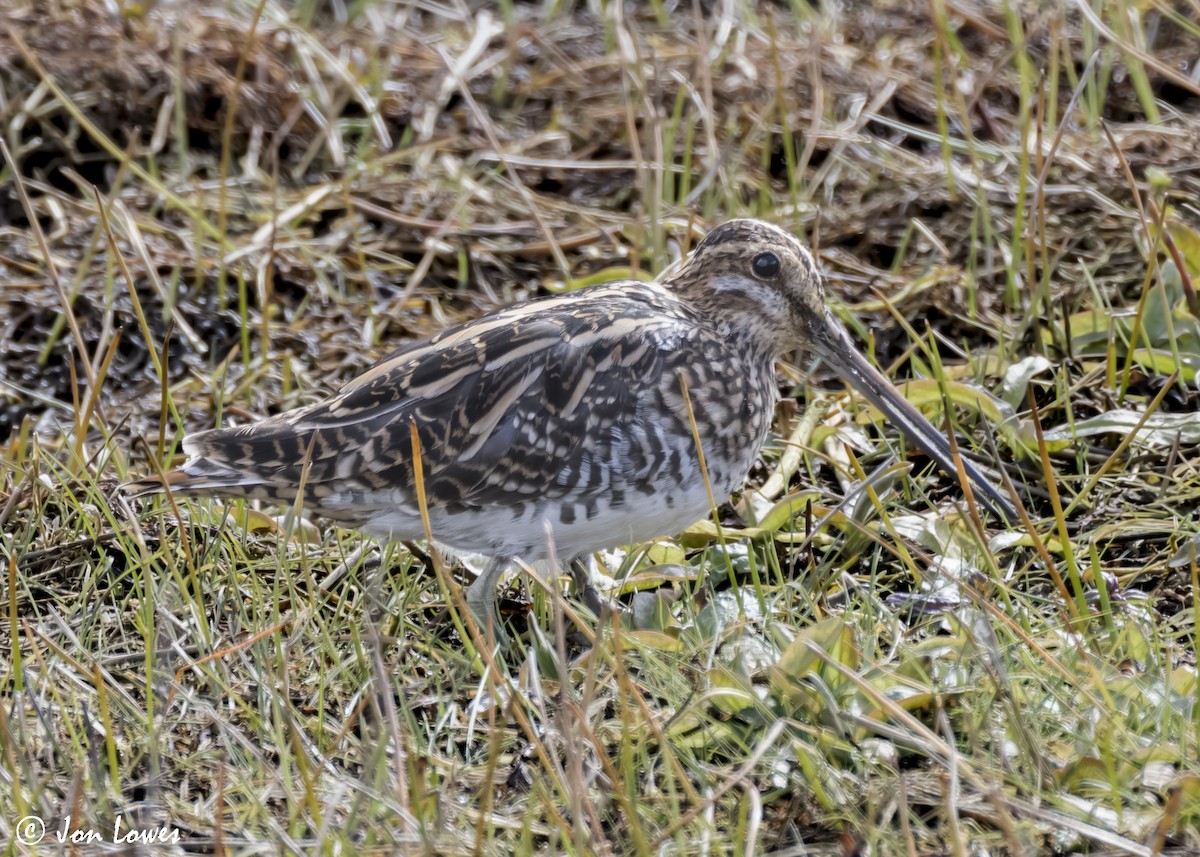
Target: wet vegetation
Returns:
[213, 212]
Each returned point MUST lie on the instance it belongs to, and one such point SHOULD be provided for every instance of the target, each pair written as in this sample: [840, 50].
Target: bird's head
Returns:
[756, 283]
[759, 285]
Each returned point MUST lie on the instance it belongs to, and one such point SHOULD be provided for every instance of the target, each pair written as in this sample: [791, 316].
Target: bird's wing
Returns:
[545, 411]
[519, 406]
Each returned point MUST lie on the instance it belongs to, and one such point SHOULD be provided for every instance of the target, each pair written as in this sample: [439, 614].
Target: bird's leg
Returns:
[585, 590]
[481, 598]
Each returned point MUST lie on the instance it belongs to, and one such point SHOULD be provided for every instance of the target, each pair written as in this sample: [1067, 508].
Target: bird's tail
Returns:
[201, 477]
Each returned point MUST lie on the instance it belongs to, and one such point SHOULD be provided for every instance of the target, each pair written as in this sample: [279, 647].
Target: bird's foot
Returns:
[481, 599]
[586, 592]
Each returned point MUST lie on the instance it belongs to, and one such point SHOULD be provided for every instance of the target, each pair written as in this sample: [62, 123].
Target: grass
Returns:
[236, 207]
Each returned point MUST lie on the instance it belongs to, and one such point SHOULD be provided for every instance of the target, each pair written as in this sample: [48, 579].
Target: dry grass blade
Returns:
[219, 212]
[48, 260]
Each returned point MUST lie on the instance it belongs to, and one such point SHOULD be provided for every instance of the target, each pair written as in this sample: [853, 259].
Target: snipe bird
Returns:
[564, 420]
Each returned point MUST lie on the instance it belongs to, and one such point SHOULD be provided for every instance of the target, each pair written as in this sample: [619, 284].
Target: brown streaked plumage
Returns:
[564, 417]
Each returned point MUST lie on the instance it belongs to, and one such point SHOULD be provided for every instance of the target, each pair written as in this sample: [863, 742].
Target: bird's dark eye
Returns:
[765, 265]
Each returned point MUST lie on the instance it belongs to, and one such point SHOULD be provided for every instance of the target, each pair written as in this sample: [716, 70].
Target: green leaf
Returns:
[835, 637]
[926, 394]
[1159, 430]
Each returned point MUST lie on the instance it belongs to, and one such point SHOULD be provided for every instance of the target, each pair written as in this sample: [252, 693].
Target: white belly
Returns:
[497, 531]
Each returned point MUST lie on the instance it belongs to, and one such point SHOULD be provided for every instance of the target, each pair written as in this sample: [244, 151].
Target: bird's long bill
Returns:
[833, 344]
